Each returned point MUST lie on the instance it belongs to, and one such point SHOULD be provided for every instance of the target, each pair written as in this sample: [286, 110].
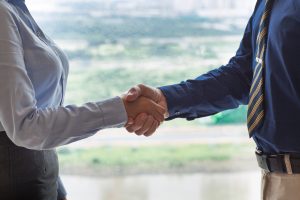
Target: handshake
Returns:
[146, 108]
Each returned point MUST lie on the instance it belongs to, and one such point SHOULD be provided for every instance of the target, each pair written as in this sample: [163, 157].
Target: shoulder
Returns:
[9, 22]
[5, 7]
[7, 12]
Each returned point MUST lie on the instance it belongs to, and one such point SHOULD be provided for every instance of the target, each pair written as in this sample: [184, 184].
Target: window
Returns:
[115, 44]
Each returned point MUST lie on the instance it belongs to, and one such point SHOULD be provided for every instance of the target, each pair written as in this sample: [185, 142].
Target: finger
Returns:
[129, 122]
[129, 129]
[150, 132]
[147, 125]
[148, 92]
[162, 110]
[138, 123]
[142, 90]
[156, 113]
[133, 94]
[158, 116]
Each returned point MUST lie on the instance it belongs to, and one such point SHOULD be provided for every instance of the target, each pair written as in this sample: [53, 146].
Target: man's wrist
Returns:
[163, 102]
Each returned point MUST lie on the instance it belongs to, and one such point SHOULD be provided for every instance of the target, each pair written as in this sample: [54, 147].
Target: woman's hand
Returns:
[146, 106]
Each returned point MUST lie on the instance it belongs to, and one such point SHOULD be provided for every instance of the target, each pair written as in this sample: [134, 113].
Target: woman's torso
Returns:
[46, 65]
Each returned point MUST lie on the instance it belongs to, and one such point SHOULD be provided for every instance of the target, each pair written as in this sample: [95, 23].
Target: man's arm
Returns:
[220, 89]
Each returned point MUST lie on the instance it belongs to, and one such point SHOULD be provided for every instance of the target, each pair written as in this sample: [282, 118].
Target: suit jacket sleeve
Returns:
[224, 88]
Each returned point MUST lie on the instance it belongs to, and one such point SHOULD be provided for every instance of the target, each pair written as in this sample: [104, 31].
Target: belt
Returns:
[281, 163]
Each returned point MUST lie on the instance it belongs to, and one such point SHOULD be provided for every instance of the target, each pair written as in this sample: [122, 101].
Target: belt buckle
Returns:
[262, 161]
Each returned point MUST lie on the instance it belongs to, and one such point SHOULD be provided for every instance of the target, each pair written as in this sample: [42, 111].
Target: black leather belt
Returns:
[281, 163]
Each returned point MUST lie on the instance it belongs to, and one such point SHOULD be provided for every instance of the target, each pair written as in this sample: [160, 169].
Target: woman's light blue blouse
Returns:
[33, 75]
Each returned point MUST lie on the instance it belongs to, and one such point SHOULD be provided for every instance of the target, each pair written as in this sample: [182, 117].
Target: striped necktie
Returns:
[256, 112]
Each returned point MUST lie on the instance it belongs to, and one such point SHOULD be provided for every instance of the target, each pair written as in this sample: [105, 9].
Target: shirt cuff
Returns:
[114, 114]
[173, 99]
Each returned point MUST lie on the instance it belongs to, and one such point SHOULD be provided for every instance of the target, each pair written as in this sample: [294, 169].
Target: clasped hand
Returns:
[146, 108]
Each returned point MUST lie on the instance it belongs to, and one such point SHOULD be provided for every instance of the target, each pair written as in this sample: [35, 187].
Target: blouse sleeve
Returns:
[34, 128]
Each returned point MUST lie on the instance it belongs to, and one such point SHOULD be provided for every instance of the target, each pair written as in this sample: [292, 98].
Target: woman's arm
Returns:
[34, 128]
[30, 127]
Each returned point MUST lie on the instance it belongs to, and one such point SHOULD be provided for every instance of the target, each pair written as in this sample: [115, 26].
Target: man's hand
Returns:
[141, 124]
[144, 105]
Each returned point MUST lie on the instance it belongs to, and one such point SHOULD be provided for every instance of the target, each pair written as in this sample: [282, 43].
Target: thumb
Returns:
[133, 94]
[148, 92]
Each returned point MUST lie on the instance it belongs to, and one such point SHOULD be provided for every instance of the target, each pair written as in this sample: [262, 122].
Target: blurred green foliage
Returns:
[238, 115]
[149, 158]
